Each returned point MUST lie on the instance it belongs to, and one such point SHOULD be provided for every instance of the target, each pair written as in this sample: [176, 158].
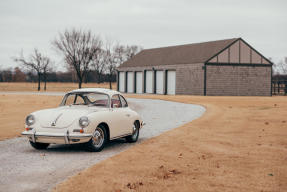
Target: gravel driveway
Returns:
[24, 169]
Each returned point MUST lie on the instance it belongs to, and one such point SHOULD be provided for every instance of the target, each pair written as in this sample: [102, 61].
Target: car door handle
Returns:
[128, 115]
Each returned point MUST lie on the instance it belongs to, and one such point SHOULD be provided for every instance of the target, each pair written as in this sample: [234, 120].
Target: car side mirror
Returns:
[115, 105]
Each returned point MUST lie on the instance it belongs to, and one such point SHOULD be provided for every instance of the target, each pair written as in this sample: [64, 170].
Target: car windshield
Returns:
[86, 98]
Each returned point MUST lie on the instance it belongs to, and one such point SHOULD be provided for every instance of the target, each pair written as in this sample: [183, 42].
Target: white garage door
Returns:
[148, 80]
[130, 82]
[122, 82]
[159, 82]
[139, 79]
[171, 82]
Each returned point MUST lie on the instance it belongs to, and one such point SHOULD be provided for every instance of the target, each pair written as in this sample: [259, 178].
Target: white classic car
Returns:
[92, 116]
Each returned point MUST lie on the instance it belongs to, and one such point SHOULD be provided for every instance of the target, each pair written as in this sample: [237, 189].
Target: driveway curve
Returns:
[24, 169]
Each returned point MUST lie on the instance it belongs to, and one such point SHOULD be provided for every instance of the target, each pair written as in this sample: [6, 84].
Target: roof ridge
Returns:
[188, 53]
[192, 44]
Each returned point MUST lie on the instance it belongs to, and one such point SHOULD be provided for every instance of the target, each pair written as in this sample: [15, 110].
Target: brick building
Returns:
[224, 67]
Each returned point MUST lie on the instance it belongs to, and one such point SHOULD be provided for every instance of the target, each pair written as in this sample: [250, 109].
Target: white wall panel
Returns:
[149, 82]
[171, 77]
[130, 82]
[122, 82]
[139, 81]
[159, 82]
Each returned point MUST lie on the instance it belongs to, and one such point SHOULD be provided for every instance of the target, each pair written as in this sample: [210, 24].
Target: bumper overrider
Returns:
[57, 138]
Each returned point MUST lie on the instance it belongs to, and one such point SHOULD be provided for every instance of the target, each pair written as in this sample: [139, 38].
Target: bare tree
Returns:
[46, 67]
[110, 64]
[35, 63]
[280, 67]
[111, 59]
[115, 55]
[79, 49]
[121, 53]
[99, 64]
[131, 51]
[283, 66]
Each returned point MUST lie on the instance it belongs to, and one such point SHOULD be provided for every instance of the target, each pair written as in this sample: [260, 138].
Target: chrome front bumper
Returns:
[143, 124]
[57, 138]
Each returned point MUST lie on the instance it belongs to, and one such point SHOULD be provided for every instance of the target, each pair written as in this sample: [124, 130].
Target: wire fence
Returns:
[279, 87]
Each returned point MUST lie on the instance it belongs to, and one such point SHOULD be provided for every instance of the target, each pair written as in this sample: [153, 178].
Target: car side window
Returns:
[123, 101]
[74, 99]
[79, 100]
[116, 103]
[70, 100]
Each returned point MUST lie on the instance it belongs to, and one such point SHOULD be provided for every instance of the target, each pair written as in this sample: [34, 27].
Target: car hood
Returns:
[61, 117]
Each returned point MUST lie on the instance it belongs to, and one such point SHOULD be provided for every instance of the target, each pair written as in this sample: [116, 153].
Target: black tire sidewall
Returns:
[130, 138]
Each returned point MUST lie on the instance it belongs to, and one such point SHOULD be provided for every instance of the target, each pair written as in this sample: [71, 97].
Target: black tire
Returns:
[134, 137]
[99, 139]
[39, 146]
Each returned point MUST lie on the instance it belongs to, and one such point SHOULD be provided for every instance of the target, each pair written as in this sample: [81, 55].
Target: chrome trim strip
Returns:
[45, 134]
[55, 121]
[117, 137]
[80, 136]
[66, 137]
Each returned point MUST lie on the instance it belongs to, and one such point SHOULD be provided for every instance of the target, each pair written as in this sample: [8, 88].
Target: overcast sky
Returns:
[25, 24]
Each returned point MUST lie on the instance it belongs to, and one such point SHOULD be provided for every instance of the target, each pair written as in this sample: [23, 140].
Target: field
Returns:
[239, 144]
[62, 87]
[14, 109]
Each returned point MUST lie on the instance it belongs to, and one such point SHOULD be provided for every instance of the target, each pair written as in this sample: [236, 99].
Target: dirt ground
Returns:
[238, 145]
[14, 109]
[62, 87]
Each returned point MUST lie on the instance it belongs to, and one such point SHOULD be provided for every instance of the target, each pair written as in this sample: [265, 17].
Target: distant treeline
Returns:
[16, 75]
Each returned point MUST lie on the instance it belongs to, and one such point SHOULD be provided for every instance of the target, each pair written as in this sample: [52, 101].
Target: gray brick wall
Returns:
[190, 79]
[238, 80]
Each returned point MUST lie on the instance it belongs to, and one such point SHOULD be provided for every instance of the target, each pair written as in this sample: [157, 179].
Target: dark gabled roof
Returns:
[181, 54]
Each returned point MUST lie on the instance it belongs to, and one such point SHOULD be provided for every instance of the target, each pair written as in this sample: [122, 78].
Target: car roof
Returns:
[98, 90]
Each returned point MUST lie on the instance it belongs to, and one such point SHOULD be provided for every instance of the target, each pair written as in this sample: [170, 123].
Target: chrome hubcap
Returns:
[98, 137]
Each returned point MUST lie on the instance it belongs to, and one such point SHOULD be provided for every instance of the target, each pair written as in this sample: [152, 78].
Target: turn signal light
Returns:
[79, 130]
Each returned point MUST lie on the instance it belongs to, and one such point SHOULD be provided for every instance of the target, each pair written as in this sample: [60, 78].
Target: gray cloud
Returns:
[150, 23]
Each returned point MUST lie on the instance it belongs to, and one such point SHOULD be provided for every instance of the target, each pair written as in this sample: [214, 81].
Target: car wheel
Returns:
[39, 146]
[134, 137]
[98, 140]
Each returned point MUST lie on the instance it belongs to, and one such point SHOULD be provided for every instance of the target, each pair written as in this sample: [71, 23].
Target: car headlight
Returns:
[84, 122]
[30, 120]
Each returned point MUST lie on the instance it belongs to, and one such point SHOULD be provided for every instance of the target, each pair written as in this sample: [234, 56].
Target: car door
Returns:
[128, 113]
[119, 118]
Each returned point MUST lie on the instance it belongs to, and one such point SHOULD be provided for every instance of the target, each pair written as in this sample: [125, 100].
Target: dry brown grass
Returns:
[238, 145]
[14, 109]
[61, 87]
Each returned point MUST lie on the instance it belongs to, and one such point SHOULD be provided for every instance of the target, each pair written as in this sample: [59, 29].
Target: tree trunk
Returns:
[110, 79]
[39, 81]
[45, 81]
[80, 84]
[80, 79]
[86, 77]
[98, 77]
